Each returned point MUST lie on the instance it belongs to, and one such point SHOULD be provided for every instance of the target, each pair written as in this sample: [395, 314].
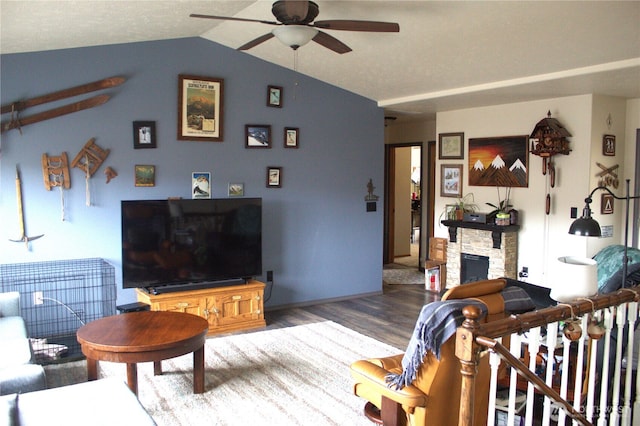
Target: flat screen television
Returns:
[175, 244]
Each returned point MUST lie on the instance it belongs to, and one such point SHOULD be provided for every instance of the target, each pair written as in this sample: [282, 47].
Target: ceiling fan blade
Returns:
[351, 25]
[331, 43]
[296, 10]
[231, 18]
[255, 42]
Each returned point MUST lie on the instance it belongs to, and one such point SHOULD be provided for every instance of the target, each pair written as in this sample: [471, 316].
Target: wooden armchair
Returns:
[433, 398]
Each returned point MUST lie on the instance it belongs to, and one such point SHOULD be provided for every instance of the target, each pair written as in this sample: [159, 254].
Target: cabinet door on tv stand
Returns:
[238, 306]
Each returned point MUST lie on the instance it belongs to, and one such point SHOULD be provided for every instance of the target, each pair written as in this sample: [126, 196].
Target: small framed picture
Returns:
[609, 145]
[451, 146]
[274, 177]
[451, 180]
[606, 204]
[257, 136]
[291, 135]
[144, 175]
[274, 96]
[144, 134]
[200, 185]
[236, 190]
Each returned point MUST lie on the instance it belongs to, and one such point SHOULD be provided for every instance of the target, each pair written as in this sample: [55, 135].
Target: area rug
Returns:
[291, 376]
[402, 276]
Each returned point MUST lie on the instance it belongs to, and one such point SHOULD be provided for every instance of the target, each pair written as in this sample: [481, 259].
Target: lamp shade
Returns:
[574, 277]
[295, 36]
[586, 227]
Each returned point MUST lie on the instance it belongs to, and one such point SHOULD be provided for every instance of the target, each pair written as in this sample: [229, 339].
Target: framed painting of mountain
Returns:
[499, 161]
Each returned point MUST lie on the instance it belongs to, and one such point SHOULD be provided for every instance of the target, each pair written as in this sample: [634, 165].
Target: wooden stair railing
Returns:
[524, 371]
[473, 338]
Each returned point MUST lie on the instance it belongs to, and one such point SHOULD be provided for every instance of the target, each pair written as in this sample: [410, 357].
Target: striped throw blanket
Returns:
[438, 321]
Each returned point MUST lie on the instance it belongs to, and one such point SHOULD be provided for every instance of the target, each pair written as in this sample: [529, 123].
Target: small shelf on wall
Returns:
[496, 230]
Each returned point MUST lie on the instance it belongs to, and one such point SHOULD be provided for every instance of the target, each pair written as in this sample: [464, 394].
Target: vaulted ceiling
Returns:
[447, 55]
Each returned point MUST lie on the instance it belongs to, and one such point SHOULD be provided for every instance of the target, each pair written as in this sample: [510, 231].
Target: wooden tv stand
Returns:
[226, 309]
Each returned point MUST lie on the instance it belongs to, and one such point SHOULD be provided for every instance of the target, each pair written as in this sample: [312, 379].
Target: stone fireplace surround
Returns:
[498, 243]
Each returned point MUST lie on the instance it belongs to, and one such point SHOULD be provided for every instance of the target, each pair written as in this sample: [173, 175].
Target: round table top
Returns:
[143, 331]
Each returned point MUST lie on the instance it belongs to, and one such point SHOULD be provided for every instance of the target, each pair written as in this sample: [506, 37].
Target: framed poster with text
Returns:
[200, 108]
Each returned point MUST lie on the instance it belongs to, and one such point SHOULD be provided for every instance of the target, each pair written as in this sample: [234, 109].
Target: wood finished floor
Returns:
[388, 317]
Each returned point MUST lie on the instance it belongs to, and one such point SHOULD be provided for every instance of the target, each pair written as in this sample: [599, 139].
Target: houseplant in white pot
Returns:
[502, 209]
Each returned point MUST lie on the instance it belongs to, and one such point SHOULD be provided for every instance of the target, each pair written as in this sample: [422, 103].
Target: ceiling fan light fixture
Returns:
[294, 36]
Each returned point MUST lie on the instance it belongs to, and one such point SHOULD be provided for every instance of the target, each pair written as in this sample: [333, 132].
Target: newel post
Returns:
[467, 350]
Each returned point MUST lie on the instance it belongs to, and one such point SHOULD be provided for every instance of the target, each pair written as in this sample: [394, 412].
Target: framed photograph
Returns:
[606, 204]
[144, 175]
[257, 136]
[236, 190]
[274, 96]
[200, 185]
[144, 134]
[609, 145]
[499, 161]
[451, 180]
[200, 108]
[291, 136]
[274, 177]
[451, 146]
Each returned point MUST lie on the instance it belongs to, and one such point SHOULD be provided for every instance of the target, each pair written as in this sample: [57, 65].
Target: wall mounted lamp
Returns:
[588, 227]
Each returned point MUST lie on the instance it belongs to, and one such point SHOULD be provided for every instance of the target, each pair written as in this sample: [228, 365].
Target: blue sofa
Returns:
[18, 373]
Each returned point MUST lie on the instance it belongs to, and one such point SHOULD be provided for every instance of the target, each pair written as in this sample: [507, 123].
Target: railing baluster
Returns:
[494, 363]
[515, 351]
[591, 374]
[632, 314]
[604, 385]
[534, 348]
[552, 341]
[579, 368]
[636, 404]
[564, 380]
[621, 311]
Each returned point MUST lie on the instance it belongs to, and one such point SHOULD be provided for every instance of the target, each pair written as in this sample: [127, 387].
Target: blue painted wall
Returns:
[317, 238]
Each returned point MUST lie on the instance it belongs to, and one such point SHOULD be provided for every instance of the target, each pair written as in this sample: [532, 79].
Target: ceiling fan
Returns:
[296, 26]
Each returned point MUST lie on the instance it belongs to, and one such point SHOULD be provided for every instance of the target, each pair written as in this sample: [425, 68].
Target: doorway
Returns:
[408, 209]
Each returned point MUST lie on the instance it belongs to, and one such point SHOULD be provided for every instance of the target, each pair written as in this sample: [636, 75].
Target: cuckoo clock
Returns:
[549, 138]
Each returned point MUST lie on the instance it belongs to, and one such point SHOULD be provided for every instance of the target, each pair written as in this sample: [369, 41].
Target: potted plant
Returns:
[502, 209]
[464, 205]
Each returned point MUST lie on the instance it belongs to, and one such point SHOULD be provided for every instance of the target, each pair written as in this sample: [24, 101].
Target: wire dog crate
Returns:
[57, 298]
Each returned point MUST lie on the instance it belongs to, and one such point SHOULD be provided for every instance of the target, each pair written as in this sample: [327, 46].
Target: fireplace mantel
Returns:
[496, 230]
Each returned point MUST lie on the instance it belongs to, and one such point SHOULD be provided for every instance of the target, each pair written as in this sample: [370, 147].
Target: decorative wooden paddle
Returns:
[24, 238]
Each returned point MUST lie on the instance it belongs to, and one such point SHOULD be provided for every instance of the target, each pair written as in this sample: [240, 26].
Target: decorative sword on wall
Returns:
[17, 122]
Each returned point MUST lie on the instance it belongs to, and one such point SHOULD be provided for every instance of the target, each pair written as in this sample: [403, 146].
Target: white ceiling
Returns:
[447, 55]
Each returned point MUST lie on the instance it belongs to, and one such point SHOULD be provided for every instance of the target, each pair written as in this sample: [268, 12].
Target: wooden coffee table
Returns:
[149, 336]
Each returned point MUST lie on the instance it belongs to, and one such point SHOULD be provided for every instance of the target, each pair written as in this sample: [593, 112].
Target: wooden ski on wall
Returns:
[16, 122]
[63, 94]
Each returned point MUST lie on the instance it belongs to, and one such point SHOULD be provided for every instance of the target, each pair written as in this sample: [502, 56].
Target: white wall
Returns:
[605, 107]
[632, 124]
[542, 238]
